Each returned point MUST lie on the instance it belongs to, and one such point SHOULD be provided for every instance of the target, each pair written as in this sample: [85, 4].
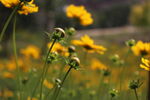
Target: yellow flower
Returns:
[9, 3]
[88, 44]
[31, 51]
[97, 65]
[47, 84]
[6, 93]
[8, 75]
[25, 9]
[29, 98]
[141, 49]
[146, 64]
[59, 49]
[80, 13]
[11, 65]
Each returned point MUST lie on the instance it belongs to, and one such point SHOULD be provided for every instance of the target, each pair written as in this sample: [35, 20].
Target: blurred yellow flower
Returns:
[88, 44]
[146, 64]
[8, 75]
[29, 98]
[6, 93]
[10, 3]
[11, 65]
[79, 12]
[47, 84]
[141, 49]
[25, 9]
[59, 49]
[97, 65]
[31, 51]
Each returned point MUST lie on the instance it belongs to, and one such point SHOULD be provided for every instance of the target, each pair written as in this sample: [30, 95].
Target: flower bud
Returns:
[52, 57]
[71, 49]
[74, 62]
[58, 82]
[134, 84]
[106, 72]
[130, 42]
[115, 58]
[71, 31]
[60, 31]
[113, 93]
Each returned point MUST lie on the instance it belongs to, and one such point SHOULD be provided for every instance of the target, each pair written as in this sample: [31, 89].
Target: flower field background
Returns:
[72, 56]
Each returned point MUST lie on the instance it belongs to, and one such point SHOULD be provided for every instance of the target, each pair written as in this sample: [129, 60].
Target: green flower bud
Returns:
[113, 93]
[74, 62]
[52, 57]
[71, 31]
[106, 72]
[130, 42]
[134, 84]
[115, 58]
[58, 34]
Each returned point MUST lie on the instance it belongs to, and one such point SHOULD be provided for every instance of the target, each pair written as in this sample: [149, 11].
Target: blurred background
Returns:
[111, 17]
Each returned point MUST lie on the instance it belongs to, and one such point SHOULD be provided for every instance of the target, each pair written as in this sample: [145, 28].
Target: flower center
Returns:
[88, 47]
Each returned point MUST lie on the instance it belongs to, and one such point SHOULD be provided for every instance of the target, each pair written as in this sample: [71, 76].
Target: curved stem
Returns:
[8, 21]
[57, 93]
[16, 58]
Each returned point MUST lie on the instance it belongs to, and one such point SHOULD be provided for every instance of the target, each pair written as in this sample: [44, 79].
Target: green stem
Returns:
[41, 77]
[45, 68]
[16, 58]
[8, 20]
[57, 93]
[136, 94]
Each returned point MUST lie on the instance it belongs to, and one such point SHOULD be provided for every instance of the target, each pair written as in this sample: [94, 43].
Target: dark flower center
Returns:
[143, 52]
[88, 47]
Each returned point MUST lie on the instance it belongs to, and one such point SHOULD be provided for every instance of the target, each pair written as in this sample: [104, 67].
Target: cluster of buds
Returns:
[130, 42]
[52, 57]
[134, 84]
[116, 59]
[113, 93]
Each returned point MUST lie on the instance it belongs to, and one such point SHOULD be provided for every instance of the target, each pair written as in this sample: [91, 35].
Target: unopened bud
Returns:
[71, 49]
[74, 62]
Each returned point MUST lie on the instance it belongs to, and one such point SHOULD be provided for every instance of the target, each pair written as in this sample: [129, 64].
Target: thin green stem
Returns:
[61, 85]
[8, 21]
[41, 77]
[136, 94]
[45, 68]
[16, 58]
